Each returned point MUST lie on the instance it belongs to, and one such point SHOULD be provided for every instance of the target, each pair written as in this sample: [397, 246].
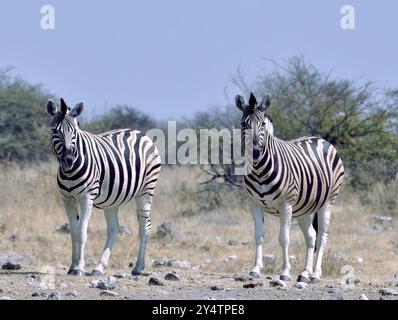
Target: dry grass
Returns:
[30, 208]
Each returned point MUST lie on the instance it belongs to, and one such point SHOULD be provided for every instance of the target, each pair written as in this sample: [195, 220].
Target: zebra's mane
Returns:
[59, 117]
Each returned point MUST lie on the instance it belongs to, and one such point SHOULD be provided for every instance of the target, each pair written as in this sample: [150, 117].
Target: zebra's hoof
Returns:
[96, 273]
[254, 274]
[285, 278]
[303, 279]
[136, 272]
[315, 280]
[76, 272]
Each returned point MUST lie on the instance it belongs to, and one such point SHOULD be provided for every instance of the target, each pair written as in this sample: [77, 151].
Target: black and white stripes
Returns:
[104, 171]
[297, 178]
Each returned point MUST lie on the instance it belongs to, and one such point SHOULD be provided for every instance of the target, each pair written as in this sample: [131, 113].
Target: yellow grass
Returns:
[31, 209]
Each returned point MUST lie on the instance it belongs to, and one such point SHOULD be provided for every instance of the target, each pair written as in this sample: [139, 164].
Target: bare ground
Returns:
[218, 244]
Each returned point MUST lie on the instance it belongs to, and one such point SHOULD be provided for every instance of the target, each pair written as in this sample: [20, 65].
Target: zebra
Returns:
[299, 178]
[103, 171]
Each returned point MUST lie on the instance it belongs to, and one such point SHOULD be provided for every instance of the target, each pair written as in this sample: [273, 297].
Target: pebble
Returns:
[301, 285]
[108, 293]
[172, 276]
[233, 258]
[54, 296]
[121, 275]
[232, 243]
[388, 292]
[253, 285]
[11, 266]
[155, 282]
[104, 283]
[217, 288]
[363, 297]
[72, 294]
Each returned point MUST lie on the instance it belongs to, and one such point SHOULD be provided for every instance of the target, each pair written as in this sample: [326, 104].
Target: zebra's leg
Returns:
[285, 219]
[112, 223]
[322, 236]
[86, 206]
[258, 218]
[308, 230]
[72, 212]
[144, 221]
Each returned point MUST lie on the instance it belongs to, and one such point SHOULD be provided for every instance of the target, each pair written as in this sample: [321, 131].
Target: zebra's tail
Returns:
[315, 226]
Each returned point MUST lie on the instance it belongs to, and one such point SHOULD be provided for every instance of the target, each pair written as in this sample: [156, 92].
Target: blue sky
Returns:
[172, 58]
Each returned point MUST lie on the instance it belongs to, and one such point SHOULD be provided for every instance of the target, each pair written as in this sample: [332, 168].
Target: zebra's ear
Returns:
[252, 100]
[64, 107]
[51, 107]
[77, 110]
[239, 102]
[266, 102]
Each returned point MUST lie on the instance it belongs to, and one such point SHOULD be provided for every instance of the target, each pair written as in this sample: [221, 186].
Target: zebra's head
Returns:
[64, 127]
[255, 123]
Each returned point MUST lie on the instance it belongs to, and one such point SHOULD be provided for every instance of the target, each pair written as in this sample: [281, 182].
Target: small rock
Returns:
[14, 237]
[292, 257]
[301, 285]
[243, 278]
[17, 258]
[32, 281]
[6, 298]
[10, 266]
[54, 296]
[277, 283]
[245, 243]
[217, 288]
[172, 276]
[388, 292]
[159, 262]
[35, 294]
[253, 285]
[104, 283]
[155, 282]
[358, 259]
[108, 293]
[233, 257]
[125, 230]
[121, 275]
[232, 243]
[72, 294]
[269, 259]
[363, 297]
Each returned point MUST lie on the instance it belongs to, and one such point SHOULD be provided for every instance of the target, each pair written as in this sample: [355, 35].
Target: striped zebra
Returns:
[299, 178]
[103, 171]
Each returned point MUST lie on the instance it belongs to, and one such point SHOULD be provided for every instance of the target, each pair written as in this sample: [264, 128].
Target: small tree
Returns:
[121, 117]
[359, 119]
